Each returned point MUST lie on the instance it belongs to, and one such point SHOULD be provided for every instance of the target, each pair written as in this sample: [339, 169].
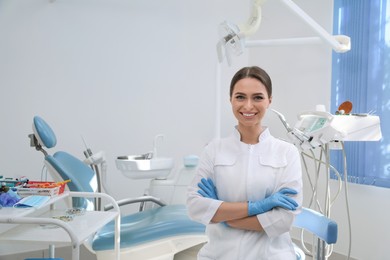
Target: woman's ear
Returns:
[270, 101]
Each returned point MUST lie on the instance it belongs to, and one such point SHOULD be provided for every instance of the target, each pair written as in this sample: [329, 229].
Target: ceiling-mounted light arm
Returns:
[254, 20]
[232, 36]
[339, 43]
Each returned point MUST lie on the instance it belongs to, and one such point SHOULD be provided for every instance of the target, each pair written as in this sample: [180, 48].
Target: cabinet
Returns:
[29, 226]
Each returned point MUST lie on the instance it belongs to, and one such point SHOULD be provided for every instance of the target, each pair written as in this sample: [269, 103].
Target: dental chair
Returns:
[157, 233]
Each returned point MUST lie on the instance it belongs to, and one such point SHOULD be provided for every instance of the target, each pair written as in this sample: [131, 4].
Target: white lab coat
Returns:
[243, 172]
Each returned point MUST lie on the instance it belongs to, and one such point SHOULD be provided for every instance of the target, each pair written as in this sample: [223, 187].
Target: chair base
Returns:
[299, 253]
[160, 250]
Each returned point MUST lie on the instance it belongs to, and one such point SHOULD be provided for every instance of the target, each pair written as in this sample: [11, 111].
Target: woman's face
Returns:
[249, 101]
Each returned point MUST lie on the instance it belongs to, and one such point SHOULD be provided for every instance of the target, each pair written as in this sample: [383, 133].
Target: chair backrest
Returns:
[43, 133]
[318, 224]
[64, 166]
[82, 177]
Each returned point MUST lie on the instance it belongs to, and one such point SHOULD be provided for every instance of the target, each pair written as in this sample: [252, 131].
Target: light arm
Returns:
[254, 20]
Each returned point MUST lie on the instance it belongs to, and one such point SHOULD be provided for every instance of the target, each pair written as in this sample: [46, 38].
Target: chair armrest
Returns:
[128, 201]
[318, 224]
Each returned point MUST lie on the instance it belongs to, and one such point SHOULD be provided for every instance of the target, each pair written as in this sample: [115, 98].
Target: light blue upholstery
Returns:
[44, 259]
[138, 228]
[315, 223]
[318, 224]
[149, 225]
[69, 167]
[45, 133]
[80, 174]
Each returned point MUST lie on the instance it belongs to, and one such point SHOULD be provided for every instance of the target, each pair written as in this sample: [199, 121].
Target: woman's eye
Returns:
[258, 98]
[240, 97]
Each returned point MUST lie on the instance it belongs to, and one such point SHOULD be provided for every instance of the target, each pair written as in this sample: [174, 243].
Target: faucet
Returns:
[152, 154]
[156, 138]
[147, 156]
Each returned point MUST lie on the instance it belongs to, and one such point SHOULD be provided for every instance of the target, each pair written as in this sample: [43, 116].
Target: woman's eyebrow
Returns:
[258, 94]
[252, 94]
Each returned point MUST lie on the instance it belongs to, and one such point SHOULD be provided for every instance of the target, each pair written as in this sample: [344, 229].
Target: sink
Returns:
[141, 167]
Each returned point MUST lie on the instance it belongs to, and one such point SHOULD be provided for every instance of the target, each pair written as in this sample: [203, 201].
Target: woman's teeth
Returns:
[245, 114]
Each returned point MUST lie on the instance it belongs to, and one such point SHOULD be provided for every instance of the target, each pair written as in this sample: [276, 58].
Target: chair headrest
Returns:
[44, 133]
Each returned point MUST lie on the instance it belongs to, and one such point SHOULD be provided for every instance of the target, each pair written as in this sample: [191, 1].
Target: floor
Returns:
[190, 254]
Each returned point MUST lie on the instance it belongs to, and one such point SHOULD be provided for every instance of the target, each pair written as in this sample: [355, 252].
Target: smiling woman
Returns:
[250, 100]
[247, 188]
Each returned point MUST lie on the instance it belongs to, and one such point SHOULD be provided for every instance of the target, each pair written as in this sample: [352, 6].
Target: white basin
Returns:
[137, 167]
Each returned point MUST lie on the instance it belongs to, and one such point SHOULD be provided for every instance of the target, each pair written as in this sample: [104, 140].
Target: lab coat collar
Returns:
[263, 136]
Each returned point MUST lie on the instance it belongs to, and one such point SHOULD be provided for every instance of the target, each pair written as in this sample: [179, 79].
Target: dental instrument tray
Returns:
[42, 188]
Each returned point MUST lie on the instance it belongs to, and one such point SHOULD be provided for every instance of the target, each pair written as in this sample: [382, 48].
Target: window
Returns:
[362, 76]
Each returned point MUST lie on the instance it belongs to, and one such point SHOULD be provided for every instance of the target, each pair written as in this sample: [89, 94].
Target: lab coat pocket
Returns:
[273, 161]
[224, 164]
[226, 175]
[225, 160]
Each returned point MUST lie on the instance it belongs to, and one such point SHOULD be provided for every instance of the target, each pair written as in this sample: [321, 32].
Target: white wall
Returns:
[119, 72]
[116, 72]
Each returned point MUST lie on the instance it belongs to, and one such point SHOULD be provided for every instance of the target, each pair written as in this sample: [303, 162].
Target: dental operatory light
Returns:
[233, 38]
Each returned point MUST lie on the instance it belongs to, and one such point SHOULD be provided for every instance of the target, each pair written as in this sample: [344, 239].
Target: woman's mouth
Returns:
[248, 115]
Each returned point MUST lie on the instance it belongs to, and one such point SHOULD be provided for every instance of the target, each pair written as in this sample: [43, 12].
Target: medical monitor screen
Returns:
[311, 123]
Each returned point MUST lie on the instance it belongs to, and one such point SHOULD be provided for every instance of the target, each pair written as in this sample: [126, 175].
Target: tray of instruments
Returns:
[42, 188]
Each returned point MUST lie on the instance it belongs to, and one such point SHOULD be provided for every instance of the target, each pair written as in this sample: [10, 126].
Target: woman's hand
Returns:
[207, 189]
[278, 199]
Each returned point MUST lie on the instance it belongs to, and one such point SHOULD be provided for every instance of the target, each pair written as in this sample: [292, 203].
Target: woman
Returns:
[248, 187]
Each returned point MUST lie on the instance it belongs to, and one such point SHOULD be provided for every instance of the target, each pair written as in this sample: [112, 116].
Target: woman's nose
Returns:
[248, 103]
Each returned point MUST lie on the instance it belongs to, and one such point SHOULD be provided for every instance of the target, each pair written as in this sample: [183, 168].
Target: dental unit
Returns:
[319, 131]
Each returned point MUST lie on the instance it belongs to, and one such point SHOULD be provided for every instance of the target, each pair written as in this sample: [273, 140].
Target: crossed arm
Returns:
[235, 215]
[242, 215]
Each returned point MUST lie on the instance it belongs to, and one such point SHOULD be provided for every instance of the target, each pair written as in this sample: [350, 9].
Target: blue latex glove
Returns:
[9, 198]
[207, 188]
[278, 199]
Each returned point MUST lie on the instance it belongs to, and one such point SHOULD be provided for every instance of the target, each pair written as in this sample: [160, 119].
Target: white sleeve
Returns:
[278, 221]
[202, 209]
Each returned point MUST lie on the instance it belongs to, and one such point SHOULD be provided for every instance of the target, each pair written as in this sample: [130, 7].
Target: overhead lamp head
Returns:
[231, 42]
